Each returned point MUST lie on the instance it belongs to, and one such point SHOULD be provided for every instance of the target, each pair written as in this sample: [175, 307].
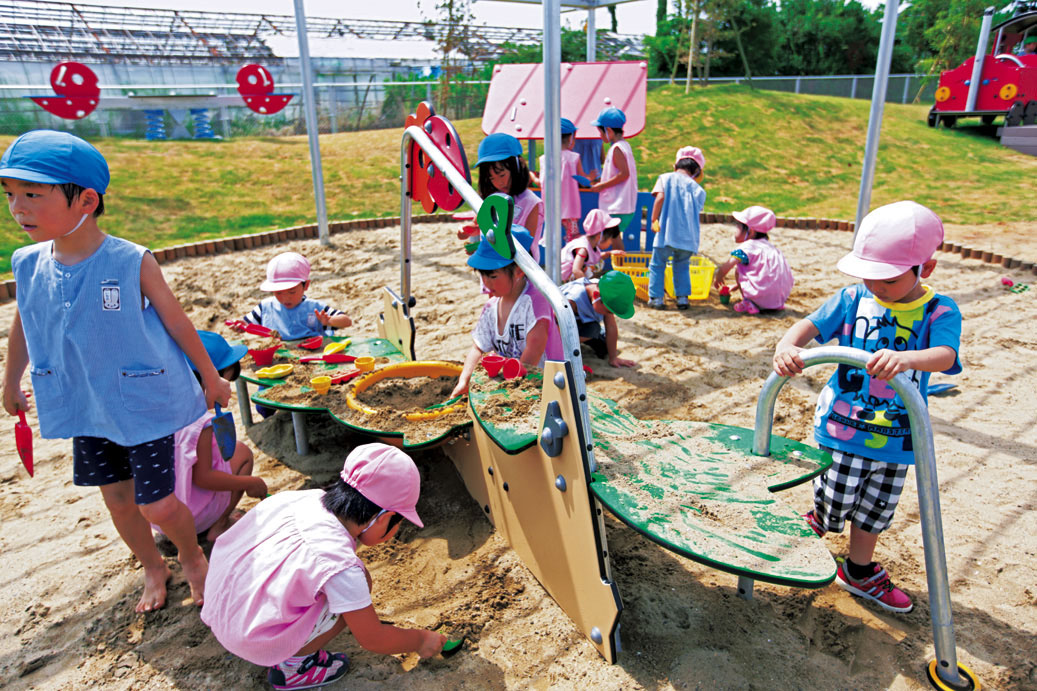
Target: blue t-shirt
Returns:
[864, 416]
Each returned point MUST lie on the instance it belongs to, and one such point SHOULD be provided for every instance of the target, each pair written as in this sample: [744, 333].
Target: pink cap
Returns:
[386, 476]
[758, 218]
[597, 221]
[285, 271]
[692, 152]
[892, 239]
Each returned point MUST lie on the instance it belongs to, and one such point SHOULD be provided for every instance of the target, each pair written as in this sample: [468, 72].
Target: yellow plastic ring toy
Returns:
[427, 368]
[275, 371]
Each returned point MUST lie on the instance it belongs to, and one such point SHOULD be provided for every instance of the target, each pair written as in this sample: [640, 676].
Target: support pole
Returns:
[592, 34]
[977, 64]
[550, 176]
[878, 102]
[310, 111]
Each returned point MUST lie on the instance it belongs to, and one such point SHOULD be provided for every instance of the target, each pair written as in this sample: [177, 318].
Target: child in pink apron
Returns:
[761, 271]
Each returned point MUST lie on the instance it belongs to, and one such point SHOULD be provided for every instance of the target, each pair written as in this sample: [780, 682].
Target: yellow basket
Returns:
[635, 265]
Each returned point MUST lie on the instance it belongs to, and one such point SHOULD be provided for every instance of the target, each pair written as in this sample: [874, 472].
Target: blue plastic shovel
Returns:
[225, 433]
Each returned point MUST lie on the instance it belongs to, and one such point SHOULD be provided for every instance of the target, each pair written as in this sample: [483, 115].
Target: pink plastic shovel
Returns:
[23, 440]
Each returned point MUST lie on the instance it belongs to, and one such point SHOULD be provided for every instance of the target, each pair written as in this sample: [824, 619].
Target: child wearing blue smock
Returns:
[104, 339]
[288, 311]
[675, 218]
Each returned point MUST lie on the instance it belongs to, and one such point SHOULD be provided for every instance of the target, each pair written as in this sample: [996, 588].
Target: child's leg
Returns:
[136, 533]
[681, 274]
[312, 666]
[656, 273]
[862, 545]
[241, 464]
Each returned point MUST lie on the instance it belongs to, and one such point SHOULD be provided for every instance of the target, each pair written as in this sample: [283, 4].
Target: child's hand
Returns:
[431, 643]
[217, 391]
[461, 388]
[256, 488]
[15, 400]
[655, 225]
[323, 317]
[886, 364]
[620, 362]
[787, 361]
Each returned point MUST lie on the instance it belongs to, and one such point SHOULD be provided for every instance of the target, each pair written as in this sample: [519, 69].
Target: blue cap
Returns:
[50, 157]
[485, 258]
[610, 117]
[222, 354]
[498, 147]
[567, 126]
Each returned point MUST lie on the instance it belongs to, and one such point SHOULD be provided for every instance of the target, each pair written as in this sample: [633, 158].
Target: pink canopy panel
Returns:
[515, 102]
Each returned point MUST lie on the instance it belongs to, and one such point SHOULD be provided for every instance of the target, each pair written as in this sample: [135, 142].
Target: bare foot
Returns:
[195, 570]
[154, 596]
[223, 525]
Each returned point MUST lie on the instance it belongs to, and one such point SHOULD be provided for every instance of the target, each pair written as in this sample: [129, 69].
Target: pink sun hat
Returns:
[758, 218]
[692, 152]
[597, 221]
[285, 271]
[892, 239]
[385, 476]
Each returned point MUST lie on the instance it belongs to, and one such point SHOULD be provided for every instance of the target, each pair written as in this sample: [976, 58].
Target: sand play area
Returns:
[70, 584]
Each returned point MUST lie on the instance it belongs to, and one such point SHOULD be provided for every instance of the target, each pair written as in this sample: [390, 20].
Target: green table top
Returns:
[290, 352]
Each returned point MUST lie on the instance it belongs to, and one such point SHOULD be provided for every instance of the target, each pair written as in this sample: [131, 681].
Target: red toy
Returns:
[23, 440]
[76, 91]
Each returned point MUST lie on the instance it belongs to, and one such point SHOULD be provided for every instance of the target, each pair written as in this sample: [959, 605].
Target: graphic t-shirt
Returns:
[861, 415]
[530, 308]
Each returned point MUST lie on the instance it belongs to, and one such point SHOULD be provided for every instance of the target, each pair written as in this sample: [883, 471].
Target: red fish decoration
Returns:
[76, 91]
[256, 86]
[427, 183]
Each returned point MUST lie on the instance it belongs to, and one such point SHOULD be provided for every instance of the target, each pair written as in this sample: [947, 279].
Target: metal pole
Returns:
[550, 177]
[592, 34]
[977, 65]
[928, 490]
[310, 110]
[878, 102]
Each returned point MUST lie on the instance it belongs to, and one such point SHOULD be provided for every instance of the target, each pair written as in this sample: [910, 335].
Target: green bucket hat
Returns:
[617, 292]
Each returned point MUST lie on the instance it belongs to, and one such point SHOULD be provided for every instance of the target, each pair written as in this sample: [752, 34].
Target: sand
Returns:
[69, 582]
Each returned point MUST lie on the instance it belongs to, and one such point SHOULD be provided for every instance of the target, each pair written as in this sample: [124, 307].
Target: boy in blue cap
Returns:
[107, 367]
[517, 320]
[569, 192]
[618, 185]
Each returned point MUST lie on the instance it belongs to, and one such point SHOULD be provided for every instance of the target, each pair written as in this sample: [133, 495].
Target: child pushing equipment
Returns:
[87, 297]
[286, 579]
[762, 274]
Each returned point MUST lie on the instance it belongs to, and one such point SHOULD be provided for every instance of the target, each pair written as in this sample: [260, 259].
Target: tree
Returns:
[454, 19]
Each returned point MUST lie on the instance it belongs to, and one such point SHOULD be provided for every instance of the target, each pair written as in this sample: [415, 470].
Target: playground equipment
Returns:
[995, 81]
[77, 94]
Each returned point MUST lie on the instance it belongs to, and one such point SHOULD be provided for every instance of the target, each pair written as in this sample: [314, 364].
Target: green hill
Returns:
[799, 155]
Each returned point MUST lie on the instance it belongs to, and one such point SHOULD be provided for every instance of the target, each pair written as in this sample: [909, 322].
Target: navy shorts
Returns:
[590, 329]
[97, 461]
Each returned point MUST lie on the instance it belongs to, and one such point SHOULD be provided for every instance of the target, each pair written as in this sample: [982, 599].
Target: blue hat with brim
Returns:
[498, 147]
[610, 117]
[222, 354]
[49, 157]
[485, 258]
[568, 127]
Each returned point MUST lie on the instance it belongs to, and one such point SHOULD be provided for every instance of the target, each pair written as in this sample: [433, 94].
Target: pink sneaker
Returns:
[746, 307]
[319, 669]
[810, 518]
[878, 588]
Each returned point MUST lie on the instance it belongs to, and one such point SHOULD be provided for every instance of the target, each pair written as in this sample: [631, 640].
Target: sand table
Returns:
[70, 583]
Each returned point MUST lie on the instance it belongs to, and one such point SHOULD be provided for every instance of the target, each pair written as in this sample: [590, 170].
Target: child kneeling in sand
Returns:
[285, 579]
[517, 321]
[209, 485]
[762, 273]
[596, 304]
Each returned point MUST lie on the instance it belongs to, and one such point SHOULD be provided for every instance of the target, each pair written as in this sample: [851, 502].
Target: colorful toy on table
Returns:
[617, 188]
[892, 254]
[288, 311]
[596, 303]
[762, 273]
[679, 199]
[502, 170]
[135, 342]
[306, 542]
[571, 177]
[529, 330]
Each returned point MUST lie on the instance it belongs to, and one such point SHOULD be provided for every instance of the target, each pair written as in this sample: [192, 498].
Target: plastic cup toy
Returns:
[321, 384]
[725, 295]
[492, 364]
[264, 357]
[364, 364]
[512, 369]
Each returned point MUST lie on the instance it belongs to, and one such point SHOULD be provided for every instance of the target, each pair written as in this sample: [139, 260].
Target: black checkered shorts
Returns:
[858, 488]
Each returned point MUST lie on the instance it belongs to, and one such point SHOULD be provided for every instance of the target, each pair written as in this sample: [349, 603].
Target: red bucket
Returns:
[492, 364]
[264, 357]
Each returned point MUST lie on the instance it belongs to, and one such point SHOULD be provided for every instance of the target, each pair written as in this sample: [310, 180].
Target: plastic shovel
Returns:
[451, 648]
[23, 440]
[343, 378]
[332, 359]
[225, 433]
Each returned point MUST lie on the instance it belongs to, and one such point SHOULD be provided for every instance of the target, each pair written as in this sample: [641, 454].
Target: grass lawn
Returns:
[799, 155]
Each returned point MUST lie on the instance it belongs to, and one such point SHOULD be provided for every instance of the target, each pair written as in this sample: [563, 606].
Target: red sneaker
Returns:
[877, 588]
[319, 669]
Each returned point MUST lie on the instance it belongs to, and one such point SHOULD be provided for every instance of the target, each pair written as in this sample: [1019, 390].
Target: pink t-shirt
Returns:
[569, 256]
[529, 309]
[766, 279]
[569, 196]
[524, 205]
[621, 198]
[265, 589]
[205, 505]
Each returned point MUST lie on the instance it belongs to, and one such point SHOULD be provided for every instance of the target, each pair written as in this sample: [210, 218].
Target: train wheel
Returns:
[1030, 113]
[949, 120]
[988, 119]
[1015, 114]
[933, 118]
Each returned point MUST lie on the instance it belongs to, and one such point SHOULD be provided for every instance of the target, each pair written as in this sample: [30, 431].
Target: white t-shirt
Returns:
[347, 591]
[530, 308]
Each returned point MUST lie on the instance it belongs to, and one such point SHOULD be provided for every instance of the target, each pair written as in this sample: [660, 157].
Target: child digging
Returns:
[105, 339]
[762, 274]
[908, 328]
[286, 579]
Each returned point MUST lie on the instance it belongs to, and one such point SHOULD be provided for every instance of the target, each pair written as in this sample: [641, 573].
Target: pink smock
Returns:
[205, 505]
[569, 192]
[524, 205]
[569, 256]
[767, 279]
[264, 592]
[622, 198]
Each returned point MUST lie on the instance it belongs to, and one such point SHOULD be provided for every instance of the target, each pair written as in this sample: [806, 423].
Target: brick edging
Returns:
[244, 242]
